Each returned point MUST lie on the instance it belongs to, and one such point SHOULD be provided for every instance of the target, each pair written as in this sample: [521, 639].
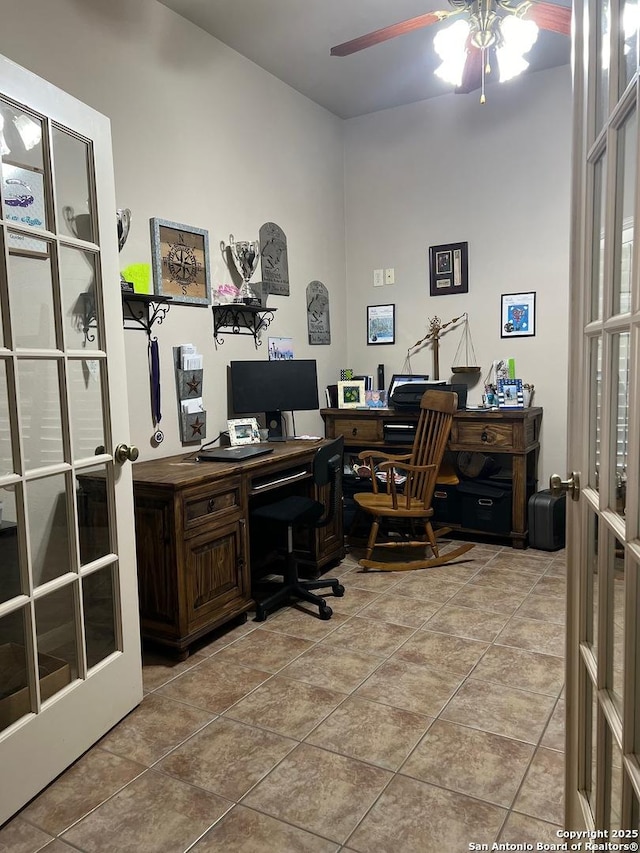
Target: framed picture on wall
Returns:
[518, 315]
[180, 257]
[381, 324]
[448, 269]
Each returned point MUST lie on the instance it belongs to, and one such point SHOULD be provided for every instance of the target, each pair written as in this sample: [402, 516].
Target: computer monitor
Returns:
[273, 387]
[403, 379]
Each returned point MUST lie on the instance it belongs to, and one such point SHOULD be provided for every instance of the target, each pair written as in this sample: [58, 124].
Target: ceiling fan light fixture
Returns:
[450, 45]
[4, 148]
[29, 130]
[518, 37]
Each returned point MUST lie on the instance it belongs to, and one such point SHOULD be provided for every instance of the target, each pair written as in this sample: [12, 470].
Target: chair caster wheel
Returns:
[326, 612]
[338, 591]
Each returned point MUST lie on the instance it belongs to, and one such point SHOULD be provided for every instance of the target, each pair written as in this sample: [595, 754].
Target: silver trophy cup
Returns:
[246, 254]
[123, 218]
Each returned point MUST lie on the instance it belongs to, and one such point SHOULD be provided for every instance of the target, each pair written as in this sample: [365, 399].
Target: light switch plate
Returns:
[378, 278]
[390, 276]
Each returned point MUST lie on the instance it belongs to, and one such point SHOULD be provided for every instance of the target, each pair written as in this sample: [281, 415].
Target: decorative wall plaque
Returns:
[318, 313]
[275, 264]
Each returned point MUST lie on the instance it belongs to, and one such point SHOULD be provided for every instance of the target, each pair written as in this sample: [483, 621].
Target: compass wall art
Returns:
[180, 255]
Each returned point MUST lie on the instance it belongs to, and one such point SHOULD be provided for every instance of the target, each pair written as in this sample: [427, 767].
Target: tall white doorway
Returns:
[69, 634]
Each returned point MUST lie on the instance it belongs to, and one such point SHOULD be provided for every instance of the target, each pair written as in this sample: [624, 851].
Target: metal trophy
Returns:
[246, 255]
[123, 216]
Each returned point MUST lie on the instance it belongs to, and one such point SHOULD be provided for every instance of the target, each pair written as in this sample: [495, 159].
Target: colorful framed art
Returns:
[518, 315]
[381, 324]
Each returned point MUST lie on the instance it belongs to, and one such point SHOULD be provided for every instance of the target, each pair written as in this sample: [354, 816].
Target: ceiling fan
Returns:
[508, 29]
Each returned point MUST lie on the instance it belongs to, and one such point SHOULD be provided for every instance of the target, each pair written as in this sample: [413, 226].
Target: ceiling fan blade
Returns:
[472, 73]
[377, 36]
[557, 19]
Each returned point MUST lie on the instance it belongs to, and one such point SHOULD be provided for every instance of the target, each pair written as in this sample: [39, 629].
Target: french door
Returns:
[603, 582]
[69, 637]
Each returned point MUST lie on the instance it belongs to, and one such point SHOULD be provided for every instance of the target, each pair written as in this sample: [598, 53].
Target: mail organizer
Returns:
[191, 414]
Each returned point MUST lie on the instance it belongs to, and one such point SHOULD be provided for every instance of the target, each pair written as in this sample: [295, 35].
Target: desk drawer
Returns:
[356, 430]
[211, 502]
[496, 435]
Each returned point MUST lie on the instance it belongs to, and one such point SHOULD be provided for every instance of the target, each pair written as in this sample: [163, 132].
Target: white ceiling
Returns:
[292, 38]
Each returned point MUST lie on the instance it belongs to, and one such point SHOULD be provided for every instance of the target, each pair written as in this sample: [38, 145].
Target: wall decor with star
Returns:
[191, 414]
[180, 258]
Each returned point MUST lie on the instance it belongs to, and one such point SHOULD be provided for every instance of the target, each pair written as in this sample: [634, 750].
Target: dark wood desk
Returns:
[193, 537]
[513, 434]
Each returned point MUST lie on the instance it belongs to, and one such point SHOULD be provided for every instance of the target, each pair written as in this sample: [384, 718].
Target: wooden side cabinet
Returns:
[512, 435]
[193, 572]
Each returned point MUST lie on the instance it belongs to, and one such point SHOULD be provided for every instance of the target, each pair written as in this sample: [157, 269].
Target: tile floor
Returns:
[426, 715]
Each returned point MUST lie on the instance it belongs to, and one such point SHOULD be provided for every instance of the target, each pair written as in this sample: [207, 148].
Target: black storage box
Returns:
[446, 503]
[351, 486]
[547, 519]
[485, 506]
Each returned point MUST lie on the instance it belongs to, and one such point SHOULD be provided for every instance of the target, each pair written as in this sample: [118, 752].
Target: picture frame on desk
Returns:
[243, 431]
[351, 394]
[510, 394]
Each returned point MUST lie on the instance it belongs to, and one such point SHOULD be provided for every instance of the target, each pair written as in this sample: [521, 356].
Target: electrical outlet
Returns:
[389, 276]
[378, 278]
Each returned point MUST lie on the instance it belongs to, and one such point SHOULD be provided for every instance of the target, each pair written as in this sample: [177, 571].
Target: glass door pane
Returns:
[625, 198]
[620, 356]
[597, 237]
[602, 55]
[595, 410]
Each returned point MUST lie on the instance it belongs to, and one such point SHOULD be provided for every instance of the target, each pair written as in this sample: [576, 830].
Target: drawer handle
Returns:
[485, 502]
[354, 431]
[211, 505]
[484, 436]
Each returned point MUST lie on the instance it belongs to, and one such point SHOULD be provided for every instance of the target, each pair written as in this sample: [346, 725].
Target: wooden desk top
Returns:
[176, 472]
[461, 414]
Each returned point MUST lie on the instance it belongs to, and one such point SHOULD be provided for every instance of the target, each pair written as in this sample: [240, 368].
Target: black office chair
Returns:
[299, 511]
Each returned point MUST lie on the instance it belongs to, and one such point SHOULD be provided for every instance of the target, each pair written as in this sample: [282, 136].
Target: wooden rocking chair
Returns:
[410, 500]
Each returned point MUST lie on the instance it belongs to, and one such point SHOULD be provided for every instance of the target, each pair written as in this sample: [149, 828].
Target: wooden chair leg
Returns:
[431, 536]
[373, 535]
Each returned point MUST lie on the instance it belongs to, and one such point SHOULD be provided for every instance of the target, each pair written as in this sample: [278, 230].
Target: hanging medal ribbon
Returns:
[154, 375]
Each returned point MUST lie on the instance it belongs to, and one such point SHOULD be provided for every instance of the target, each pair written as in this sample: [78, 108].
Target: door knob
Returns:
[126, 452]
[570, 485]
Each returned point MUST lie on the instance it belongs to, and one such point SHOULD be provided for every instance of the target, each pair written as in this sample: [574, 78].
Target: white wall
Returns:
[204, 137]
[498, 176]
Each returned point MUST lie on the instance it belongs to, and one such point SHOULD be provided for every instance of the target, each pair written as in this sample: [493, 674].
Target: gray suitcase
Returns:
[547, 519]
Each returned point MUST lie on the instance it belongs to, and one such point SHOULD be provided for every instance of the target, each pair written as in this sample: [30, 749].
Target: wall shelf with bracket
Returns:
[142, 310]
[139, 311]
[237, 319]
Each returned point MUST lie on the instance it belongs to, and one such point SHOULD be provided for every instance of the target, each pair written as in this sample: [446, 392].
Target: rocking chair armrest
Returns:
[408, 471]
[378, 454]
[406, 468]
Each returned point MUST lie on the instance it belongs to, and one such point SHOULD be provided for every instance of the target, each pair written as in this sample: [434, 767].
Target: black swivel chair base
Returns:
[297, 511]
[293, 589]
